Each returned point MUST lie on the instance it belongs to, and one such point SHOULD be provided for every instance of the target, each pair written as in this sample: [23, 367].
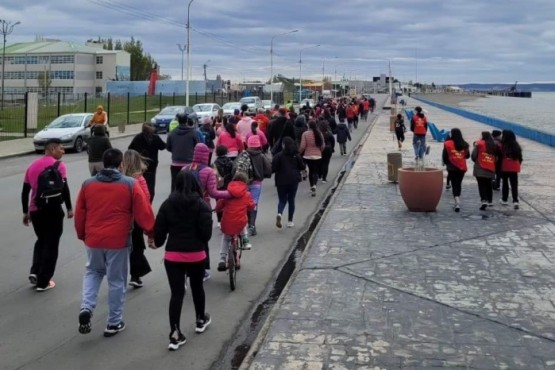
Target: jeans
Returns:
[255, 190]
[48, 226]
[419, 145]
[286, 195]
[343, 148]
[114, 264]
[509, 178]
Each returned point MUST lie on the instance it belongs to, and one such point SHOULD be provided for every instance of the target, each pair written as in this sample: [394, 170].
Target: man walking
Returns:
[46, 179]
[181, 144]
[106, 207]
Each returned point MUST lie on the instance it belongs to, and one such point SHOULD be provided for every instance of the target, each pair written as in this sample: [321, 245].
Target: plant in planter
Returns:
[421, 187]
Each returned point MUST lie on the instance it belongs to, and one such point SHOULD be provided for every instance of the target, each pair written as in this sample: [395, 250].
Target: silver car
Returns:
[268, 104]
[206, 110]
[70, 129]
[229, 108]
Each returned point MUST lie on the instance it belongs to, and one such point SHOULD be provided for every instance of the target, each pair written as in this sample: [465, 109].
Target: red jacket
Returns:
[106, 206]
[234, 218]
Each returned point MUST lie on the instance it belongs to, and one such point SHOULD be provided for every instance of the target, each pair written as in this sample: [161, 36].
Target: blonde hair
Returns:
[133, 163]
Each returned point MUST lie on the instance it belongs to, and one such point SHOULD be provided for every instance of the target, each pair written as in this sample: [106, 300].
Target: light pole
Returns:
[324, 72]
[188, 54]
[301, 70]
[182, 50]
[272, 61]
[7, 28]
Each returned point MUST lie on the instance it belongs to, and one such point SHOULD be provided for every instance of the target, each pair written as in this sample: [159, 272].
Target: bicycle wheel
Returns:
[231, 263]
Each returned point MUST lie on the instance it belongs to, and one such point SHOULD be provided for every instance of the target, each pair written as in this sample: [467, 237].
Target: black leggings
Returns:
[485, 188]
[313, 170]
[456, 178]
[177, 272]
[509, 178]
[325, 164]
[138, 264]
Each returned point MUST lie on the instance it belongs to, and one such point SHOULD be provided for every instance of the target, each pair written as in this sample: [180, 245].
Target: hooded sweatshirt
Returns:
[207, 176]
[234, 218]
[181, 143]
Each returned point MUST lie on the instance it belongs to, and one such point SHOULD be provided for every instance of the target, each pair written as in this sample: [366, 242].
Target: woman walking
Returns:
[287, 166]
[329, 149]
[97, 145]
[455, 154]
[134, 166]
[232, 140]
[186, 221]
[312, 144]
[484, 156]
[511, 160]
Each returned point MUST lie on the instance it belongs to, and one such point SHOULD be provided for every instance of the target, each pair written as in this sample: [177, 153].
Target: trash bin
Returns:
[394, 162]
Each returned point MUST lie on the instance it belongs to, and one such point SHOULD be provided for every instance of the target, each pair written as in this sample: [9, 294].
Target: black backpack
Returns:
[50, 186]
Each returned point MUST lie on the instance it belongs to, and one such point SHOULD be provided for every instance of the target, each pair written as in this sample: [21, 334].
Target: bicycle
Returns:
[234, 251]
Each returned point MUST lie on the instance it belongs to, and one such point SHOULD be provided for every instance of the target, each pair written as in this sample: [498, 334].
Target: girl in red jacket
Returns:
[511, 158]
[234, 218]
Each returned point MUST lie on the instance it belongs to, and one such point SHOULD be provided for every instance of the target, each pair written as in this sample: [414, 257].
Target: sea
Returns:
[537, 112]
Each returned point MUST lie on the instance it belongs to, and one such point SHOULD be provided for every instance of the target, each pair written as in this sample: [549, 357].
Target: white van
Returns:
[253, 102]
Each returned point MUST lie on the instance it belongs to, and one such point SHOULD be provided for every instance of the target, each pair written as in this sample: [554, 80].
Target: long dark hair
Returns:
[187, 190]
[254, 127]
[511, 147]
[491, 148]
[318, 138]
[230, 128]
[148, 131]
[289, 146]
[456, 136]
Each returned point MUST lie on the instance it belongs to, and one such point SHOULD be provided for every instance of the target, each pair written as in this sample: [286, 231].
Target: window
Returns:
[98, 90]
[99, 75]
[99, 60]
[62, 59]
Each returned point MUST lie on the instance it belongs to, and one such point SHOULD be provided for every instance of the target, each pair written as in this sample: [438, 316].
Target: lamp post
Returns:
[182, 50]
[301, 70]
[7, 28]
[188, 54]
[272, 61]
[324, 72]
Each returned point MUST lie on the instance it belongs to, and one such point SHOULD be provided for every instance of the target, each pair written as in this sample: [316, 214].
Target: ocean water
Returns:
[537, 112]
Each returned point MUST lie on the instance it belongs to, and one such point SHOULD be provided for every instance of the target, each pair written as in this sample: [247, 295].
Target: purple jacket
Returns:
[208, 179]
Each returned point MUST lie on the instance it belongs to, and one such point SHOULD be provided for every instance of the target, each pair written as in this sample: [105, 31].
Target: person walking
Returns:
[419, 126]
[97, 145]
[278, 128]
[329, 149]
[400, 129]
[148, 143]
[287, 166]
[312, 145]
[134, 166]
[496, 134]
[484, 156]
[255, 130]
[232, 140]
[343, 135]
[455, 153]
[46, 180]
[300, 128]
[181, 144]
[207, 131]
[106, 206]
[224, 168]
[511, 161]
[185, 220]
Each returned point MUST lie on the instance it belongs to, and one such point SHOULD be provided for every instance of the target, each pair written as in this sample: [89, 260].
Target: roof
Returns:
[52, 47]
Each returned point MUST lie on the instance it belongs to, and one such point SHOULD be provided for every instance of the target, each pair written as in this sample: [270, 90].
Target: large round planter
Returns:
[421, 189]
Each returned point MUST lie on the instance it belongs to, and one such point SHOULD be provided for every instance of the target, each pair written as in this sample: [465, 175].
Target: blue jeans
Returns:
[255, 190]
[114, 264]
[419, 145]
[286, 195]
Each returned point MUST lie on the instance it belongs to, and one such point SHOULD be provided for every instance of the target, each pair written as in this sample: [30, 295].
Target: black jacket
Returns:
[148, 147]
[181, 143]
[287, 167]
[97, 145]
[343, 133]
[276, 127]
[188, 224]
[225, 168]
[261, 166]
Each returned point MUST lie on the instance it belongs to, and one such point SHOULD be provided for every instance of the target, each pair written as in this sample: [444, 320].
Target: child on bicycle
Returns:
[234, 215]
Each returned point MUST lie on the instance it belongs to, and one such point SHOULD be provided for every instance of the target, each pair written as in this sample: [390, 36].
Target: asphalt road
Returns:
[39, 330]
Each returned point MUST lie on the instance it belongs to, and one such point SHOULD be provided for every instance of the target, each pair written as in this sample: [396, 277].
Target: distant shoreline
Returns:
[452, 99]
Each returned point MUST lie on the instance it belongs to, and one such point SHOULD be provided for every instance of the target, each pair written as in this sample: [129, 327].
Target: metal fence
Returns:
[126, 109]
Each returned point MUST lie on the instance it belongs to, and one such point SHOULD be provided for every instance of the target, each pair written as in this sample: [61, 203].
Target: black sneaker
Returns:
[483, 206]
[136, 283]
[202, 324]
[112, 330]
[177, 339]
[252, 230]
[457, 208]
[222, 264]
[85, 321]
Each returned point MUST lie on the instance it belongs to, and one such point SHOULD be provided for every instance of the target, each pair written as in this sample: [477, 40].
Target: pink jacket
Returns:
[308, 147]
[260, 133]
[232, 144]
[207, 176]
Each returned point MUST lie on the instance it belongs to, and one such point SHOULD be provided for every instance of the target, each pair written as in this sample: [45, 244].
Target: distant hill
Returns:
[539, 87]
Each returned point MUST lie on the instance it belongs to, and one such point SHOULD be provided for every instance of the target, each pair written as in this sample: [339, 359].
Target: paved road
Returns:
[39, 331]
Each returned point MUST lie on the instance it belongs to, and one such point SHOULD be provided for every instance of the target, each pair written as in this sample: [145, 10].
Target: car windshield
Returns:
[171, 111]
[247, 100]
[66, 122]
[231, 106]
[202, 107]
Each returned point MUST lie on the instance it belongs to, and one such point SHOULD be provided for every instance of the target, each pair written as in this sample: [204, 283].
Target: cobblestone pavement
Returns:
[383, 288]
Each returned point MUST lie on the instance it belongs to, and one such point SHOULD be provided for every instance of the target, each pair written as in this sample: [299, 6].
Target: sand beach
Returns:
[452, 99]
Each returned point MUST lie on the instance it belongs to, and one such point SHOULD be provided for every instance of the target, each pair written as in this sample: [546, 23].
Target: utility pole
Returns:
[7, 28]
[188, 54]
[182, 50]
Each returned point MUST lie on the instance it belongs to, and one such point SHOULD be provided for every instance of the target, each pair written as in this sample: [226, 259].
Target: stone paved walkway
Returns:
[383, 288]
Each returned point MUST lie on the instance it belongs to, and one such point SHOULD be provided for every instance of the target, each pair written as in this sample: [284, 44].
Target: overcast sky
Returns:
[440, 41]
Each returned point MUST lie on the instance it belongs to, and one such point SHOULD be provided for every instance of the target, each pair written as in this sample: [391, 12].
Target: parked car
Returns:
[71, 129]
[206, 110]
[253, 102]
[267, 104]
[230, 107]
[162, 120]
[310, 102]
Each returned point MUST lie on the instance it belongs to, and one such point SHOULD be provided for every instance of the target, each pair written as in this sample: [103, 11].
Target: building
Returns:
[55, 66]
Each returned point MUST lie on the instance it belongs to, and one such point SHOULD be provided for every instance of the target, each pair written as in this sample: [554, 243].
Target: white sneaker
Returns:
[290, 224]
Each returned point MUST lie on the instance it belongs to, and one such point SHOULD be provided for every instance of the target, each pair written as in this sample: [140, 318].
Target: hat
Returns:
[254, 142]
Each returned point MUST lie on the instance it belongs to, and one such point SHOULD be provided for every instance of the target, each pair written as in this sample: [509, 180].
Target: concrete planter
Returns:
[421, 189]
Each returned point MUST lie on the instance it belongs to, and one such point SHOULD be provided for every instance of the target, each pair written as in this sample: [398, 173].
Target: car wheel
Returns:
[78, 145]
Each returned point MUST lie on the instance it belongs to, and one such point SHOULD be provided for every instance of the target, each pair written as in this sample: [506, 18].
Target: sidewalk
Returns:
[383, 288]
[12, 148]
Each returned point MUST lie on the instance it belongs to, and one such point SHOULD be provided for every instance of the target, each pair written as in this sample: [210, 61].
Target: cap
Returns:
[254, 142]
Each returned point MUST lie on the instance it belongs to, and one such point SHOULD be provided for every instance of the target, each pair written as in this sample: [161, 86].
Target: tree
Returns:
[45, 80]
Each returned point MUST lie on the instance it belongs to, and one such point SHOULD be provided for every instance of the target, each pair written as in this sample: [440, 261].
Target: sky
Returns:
[429, 41]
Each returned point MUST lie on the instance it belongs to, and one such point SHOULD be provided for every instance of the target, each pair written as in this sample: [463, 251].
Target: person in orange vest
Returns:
[262, 120]
[99, 117]
[419, 127]
[511, 159]
[455, 154]
[354, 107]
[484, 156]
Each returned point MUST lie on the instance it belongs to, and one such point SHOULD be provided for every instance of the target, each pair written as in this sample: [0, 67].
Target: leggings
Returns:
[286, 195]
[325, 164]
[313, 170]
[485, 189]
[177, 273]
[138, 264]
[456, 178]
[509, 178]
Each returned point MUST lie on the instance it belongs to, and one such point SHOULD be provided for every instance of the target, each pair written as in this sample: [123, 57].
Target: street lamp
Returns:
[7, 28]
[324, 71]
[182, 50]
[272, 61]
[301, 70]
[188, 54]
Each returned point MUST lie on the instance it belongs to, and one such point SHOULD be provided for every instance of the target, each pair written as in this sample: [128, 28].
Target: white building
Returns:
[73, 68]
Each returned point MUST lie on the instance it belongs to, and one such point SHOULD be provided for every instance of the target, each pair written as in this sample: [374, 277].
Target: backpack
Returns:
[243, 164]
[195, 169]
[50, 186]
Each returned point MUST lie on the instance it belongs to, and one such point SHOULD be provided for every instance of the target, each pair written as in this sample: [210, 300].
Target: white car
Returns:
[268, 104]
[253, 102]
[206, 110]
[229, 108]
[70, 129]
[310, 102]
